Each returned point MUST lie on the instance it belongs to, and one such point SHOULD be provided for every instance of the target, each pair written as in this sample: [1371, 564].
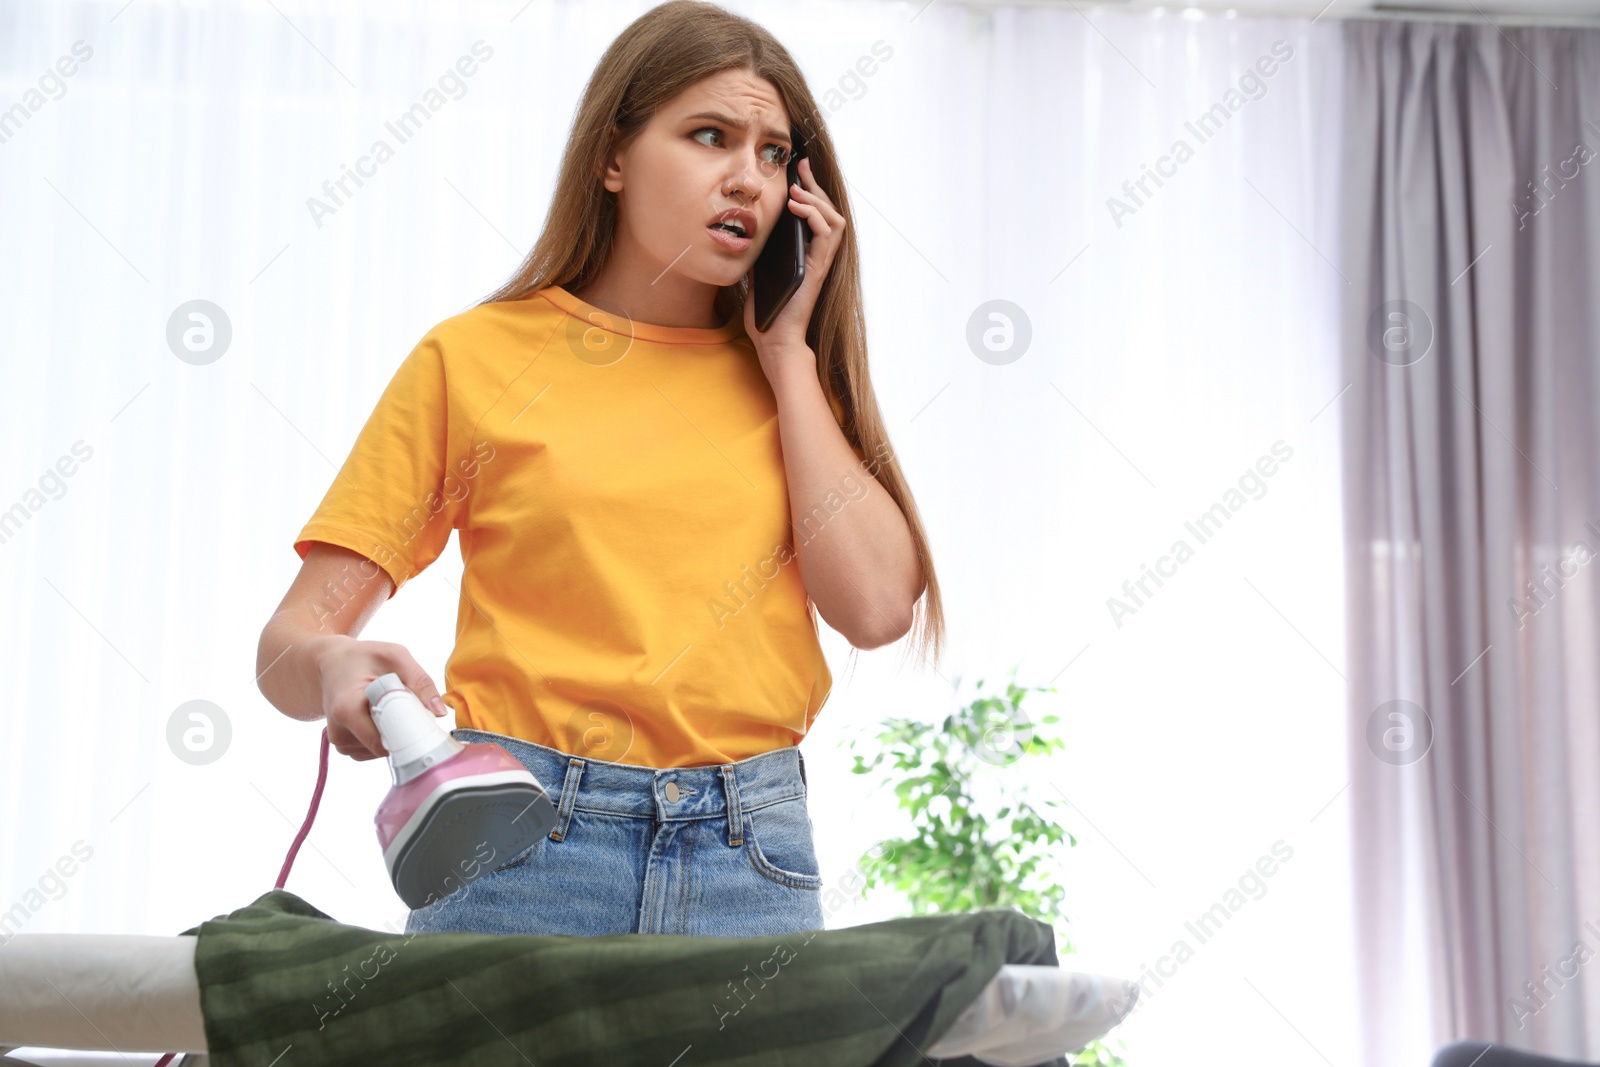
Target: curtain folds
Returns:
[1470, 213]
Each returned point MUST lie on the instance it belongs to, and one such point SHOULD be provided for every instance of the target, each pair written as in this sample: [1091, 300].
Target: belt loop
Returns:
[569, 797]
[730, 785]
[801, 756]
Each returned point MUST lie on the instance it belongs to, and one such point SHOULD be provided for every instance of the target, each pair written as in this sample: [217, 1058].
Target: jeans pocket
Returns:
[545, 842]
[780, 846]
[521, 857]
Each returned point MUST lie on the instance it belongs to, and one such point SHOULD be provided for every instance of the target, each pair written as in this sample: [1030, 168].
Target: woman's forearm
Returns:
[856, 554]
[287, 670]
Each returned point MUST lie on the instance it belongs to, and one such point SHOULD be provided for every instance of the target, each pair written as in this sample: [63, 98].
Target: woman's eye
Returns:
[775, 154]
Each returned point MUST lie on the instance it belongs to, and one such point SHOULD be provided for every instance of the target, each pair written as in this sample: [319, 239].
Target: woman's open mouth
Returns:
[733, 230]
[728, 236]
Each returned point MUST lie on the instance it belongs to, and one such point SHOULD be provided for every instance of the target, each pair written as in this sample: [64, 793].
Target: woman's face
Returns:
[713, 154]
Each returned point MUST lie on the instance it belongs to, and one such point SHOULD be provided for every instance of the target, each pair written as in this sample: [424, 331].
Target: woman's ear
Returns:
[611, 171]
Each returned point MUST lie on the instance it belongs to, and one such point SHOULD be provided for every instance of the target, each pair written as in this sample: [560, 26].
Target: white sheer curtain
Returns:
[1174, 343]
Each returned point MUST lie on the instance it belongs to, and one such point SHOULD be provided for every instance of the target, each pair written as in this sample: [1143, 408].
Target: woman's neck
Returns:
[633, 288]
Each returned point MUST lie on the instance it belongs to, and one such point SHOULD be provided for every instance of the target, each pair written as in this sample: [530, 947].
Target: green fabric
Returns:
[279, 976]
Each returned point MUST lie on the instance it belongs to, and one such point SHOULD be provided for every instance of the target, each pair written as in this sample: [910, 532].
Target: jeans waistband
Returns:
[669, 793]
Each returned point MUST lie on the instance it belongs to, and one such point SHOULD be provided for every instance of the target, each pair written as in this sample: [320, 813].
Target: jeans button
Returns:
[672, 792]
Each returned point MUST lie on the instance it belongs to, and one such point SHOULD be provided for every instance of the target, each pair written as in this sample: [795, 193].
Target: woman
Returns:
[652, 496]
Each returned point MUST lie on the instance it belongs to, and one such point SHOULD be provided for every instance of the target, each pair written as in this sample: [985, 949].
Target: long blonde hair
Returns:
[656, 57]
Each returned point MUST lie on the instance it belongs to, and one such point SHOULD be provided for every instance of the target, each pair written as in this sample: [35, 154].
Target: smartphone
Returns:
[781, 266]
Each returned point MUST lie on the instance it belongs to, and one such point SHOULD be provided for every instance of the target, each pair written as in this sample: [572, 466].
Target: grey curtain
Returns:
[1471, 207]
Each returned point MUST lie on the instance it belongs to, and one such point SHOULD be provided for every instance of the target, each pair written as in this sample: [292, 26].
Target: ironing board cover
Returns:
[280, 976]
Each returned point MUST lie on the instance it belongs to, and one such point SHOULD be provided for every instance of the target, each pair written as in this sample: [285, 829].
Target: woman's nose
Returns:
[746, 184]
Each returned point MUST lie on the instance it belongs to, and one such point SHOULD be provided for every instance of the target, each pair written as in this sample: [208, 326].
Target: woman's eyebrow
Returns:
[736, 124]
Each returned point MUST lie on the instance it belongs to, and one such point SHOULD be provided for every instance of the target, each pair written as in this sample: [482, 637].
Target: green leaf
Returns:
[971, 845]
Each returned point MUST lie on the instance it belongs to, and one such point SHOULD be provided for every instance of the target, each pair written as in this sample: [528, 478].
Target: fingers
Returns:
[354, 744]
[819, 224]
[346, 672]
[352, 732]
[825, 221]
[366, 742]
[351, 729]
[416, 679]
[810, 192]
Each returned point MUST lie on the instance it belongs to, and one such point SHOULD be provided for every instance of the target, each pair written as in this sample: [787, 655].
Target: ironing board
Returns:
[109, 996]
[137, 993]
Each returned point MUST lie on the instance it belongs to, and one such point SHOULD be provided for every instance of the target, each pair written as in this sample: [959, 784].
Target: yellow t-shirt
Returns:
[631, 591]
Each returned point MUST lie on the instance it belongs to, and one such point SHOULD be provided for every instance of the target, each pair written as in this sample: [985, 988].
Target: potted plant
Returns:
[978, 839]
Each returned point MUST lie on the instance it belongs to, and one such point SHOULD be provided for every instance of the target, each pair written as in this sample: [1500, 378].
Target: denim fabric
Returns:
[625, 857]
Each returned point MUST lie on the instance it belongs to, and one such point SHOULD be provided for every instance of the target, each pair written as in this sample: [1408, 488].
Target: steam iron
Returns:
[456, 811]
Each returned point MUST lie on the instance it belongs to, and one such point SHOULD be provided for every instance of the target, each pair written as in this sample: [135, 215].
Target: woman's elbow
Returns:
[879, 617]
[880, 630]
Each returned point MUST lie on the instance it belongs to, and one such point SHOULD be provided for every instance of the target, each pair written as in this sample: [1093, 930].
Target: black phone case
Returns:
[781, 266]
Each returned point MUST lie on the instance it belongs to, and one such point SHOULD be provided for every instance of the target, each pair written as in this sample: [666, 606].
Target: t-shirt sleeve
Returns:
[396, 498]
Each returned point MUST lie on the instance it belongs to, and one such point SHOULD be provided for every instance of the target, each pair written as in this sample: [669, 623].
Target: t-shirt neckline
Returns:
[641, 331]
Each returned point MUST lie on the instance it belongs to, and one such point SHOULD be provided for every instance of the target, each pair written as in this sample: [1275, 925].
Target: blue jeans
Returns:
[641, 850]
